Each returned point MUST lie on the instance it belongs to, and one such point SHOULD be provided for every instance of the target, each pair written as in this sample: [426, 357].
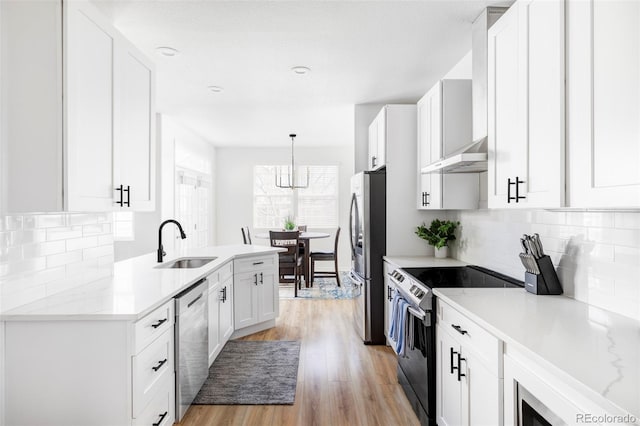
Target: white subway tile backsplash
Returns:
[65, 233]
[43, 249]
[82, 243]
[44, 254]
[64, 258]
[95, 252]
[596, 254]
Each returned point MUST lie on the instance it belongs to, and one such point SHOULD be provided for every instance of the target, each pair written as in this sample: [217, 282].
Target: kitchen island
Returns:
[103, 353]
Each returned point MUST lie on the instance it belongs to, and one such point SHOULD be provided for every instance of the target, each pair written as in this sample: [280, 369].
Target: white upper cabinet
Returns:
[444, 126]
[378, 140]
[526, 106]
[603, 103]
[91, 94]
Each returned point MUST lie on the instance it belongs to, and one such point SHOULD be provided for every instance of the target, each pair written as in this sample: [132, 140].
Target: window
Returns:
[315, 206]
[123, 229]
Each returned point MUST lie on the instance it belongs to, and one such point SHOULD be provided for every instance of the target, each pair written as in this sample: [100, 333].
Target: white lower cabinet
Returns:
[91, 372]
[255, 290]
[468, 372]
[220, 309]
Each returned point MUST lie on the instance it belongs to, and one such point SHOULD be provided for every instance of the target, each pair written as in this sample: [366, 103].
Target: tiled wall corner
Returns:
[596, 254]
[44, 254]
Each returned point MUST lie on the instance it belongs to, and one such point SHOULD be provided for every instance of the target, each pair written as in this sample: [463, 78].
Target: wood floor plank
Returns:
[340, 381]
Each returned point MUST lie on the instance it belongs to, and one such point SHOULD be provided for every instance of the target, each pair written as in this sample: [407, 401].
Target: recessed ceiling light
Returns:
[301, 70]
[216, 89]
[167, 51]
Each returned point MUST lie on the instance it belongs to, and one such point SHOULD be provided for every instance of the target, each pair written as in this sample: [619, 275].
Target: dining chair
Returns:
[246, 236]
[326, 256]
[290, 262]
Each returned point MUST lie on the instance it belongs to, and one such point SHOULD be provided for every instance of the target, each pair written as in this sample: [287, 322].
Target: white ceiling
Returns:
[358, 51]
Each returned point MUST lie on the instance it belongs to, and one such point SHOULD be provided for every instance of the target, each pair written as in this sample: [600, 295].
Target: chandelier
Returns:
[288, 179]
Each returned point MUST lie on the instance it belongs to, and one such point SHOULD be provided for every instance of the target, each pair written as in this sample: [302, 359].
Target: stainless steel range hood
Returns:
[473, 157]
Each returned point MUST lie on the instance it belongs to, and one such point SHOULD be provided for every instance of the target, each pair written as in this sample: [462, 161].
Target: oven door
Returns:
[417, 369]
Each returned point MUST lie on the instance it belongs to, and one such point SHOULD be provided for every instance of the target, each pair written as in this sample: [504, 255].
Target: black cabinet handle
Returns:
[255, 279]
[120, 189]
[451, 353]
[460, 373]
[258, 263]
[517, 183]
[160, 364]
[128, 191]
[224, 294]
[459, 329]
[261, 278]
[159, 323]
[162, 416]
[374, 161]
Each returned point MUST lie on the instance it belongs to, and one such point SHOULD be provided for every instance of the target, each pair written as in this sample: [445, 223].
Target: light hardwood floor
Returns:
[340, 380]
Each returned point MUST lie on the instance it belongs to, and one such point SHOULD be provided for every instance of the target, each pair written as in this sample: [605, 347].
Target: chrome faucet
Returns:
[161, 252]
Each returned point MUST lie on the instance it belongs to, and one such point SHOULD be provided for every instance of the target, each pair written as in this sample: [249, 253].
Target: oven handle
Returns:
[416, 313]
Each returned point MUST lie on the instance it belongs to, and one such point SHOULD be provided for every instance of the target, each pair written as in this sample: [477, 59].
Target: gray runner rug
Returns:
[252, 373]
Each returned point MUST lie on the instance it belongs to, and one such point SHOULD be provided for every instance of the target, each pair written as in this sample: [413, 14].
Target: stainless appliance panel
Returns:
[191, 345]
[532, 412]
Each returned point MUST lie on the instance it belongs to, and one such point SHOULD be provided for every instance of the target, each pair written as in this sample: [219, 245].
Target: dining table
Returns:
[304, 237]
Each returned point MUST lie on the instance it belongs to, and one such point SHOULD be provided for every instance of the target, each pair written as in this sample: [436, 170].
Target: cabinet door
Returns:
[506, 153]
[541, 32]
[134, 128]
[482, 392]
[88, 80]
[381, 146]
[430, 148]
[603, 103]
[245, 297]
[214, 322]
[373, 145]
[226, 311]
[267, 294]
[448, 387]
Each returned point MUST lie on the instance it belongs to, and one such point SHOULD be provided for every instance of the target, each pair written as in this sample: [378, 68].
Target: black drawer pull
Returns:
[162, 416]
[160, 364]
[451, 353]
[257, 263]
[159, 323]
[459, 329]
[460, 373]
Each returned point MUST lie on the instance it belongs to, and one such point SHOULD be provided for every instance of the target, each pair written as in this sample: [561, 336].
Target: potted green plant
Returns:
[438, 234]
[289, 223]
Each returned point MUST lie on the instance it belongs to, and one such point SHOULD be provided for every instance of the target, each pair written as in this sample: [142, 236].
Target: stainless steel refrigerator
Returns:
[368, 238]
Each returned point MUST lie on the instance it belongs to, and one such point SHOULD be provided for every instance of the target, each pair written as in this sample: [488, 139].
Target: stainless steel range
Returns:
[416, 369]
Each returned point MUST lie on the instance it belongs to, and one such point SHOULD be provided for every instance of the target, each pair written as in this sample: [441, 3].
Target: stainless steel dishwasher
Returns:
[191, 345]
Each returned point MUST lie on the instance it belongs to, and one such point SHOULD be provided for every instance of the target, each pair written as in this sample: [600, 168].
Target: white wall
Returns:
[171, 134]
[234, 202]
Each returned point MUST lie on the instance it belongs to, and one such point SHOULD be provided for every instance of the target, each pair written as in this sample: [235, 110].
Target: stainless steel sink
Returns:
[187, 263]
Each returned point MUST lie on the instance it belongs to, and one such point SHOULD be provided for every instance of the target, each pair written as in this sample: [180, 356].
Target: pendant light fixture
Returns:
[288, 180]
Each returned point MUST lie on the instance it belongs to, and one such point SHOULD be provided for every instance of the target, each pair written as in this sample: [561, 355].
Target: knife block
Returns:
[546, 282]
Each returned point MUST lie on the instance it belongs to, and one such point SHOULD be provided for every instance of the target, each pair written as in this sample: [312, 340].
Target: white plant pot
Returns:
[441, 253]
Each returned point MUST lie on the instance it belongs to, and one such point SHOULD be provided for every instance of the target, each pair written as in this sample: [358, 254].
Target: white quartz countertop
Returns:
[135, 289]
[422, 261]
[598, 349]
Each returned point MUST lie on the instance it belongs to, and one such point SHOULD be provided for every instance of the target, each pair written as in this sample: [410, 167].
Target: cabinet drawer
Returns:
[153, 325]
[160, 410]
[150, 370]
[252, 264]
[471, 335]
